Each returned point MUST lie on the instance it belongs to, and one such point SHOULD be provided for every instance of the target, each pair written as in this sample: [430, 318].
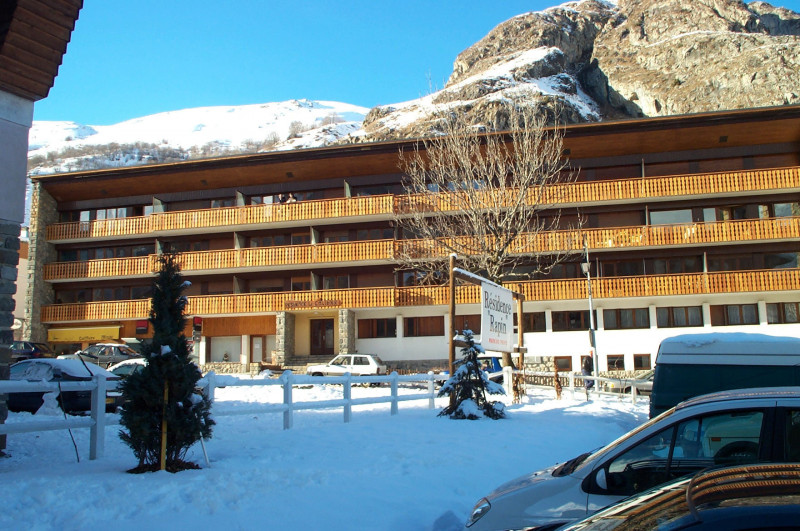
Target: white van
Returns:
[696, 364]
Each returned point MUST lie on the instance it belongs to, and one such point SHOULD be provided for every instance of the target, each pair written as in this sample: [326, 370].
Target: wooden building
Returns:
[691, 224]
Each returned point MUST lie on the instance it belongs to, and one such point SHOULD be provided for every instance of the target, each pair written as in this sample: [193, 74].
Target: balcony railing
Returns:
[541, 290]
[386, 251]
[386, 205]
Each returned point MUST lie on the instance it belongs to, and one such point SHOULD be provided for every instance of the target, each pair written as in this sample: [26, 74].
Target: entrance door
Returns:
[321, 337]
[257, 349]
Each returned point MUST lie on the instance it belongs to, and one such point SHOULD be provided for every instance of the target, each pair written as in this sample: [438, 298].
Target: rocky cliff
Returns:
[597, 60]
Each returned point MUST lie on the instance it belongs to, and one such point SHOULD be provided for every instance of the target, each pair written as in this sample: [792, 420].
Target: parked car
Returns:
[58, 370]
[732, 498]
[643, 383]
[24, 350]
[125, 368]
[355, 364]
[726, 428]
[104, 354]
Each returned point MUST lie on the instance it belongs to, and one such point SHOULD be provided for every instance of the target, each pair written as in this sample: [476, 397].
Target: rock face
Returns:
[596, 60]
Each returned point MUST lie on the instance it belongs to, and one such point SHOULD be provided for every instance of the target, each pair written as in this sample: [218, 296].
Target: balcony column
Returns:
[706, 315]
[244, 358]
[347, 331]
[40, 253]
[284, 338]
[763, 319]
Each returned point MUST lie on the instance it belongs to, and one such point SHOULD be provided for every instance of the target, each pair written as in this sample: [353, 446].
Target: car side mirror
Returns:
[600, 479]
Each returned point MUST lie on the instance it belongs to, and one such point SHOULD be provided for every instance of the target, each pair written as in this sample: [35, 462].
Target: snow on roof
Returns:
[70, 366]
[731, 344]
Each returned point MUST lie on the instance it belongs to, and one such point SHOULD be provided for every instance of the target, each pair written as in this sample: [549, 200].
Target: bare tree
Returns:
[487, 193]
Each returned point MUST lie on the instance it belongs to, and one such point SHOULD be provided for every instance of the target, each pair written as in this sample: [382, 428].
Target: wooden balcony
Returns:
[347, 210]
[779, 280]
[386, 251]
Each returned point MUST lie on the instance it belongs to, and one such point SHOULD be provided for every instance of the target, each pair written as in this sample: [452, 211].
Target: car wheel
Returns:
[317, 374]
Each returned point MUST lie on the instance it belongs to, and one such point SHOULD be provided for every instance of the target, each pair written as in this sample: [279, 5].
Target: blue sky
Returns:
[130, 59]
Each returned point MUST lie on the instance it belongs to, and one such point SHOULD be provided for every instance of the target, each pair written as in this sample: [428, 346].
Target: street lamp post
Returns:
[586, 267]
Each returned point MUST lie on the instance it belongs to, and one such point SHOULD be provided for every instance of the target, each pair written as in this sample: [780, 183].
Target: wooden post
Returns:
[452, 358]
[164, 427]
[452, 355]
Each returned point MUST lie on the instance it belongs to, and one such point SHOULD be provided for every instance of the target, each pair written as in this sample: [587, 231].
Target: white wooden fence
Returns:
[97, 419]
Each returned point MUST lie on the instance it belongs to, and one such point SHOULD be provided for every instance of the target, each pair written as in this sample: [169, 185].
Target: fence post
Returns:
[431, 389]
[572, 385]
[286, 378]
[211, 384]
[508, 380]
[394, 392]
[97, 436]
[348, 410]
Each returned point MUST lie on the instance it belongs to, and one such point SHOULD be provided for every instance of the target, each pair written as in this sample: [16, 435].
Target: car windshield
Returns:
[31, 371]
[340, 360]
[612, 445]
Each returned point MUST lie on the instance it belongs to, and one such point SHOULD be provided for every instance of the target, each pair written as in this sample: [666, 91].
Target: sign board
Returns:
[497, 318]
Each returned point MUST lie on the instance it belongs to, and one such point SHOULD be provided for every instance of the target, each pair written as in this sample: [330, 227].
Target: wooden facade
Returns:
[681, 212]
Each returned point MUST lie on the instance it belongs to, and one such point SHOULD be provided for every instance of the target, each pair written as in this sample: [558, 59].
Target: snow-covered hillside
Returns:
[191, 133]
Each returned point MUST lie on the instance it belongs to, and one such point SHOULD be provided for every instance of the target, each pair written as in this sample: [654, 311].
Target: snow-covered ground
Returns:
[412, 471]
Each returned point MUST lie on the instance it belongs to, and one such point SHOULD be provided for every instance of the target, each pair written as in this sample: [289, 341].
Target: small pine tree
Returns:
[469, 384]
[188, 414]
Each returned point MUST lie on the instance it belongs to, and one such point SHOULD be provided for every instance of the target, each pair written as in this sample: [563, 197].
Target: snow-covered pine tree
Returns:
[188, 414]
[469, 384]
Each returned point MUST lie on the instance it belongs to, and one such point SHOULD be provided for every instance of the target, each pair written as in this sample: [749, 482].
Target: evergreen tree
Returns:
[469, 384]
[169, 367]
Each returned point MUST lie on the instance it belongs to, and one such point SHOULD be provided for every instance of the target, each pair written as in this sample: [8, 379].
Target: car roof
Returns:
[70, 366]
[769, 393]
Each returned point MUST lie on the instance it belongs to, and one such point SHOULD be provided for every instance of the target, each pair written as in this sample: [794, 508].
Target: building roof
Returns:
[33, 39]
[731, 129]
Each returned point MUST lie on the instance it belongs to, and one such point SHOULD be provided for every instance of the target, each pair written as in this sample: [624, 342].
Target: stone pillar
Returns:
[9, 257]
[40, 253]
[284, 338]
[16, 117]
[347, 331]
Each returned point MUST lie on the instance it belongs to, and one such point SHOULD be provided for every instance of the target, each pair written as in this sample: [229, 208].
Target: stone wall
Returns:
[9, 257]
[284, 339]
[40, 252]
[347, 331]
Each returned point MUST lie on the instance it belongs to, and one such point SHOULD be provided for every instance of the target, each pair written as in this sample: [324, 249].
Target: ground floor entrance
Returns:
[322, 337]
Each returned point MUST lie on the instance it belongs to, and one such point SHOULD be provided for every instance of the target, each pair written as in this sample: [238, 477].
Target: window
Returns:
[468, 322]
[669, 266]
[375, 234]
[301, 283]
[532, 322]
[730, 263]
[734, 314]
[335, 236]
[641, 362]
[670, 217]
[783, 312]
[336, 282]
[301, 239]
[563, 363]
[626, 318]
[423, 326]
[678, 316]
[221, 203]
[616, 362]
[627, 268]
[786, 209]
[780, 261]
[692, 445]
[566, 321]
[372, 328]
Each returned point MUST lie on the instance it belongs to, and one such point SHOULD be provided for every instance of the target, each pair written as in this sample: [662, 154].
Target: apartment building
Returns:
[692, 225]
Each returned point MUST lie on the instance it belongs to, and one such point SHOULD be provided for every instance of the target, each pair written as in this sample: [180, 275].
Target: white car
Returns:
[725, 428]
[355, 364]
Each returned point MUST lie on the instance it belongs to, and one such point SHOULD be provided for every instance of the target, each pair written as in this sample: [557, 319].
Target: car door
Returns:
[361, 366]
[684, 447]
[339, 365]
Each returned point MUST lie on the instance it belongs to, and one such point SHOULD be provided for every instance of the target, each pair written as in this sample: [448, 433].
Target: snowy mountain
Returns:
[191, 133]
